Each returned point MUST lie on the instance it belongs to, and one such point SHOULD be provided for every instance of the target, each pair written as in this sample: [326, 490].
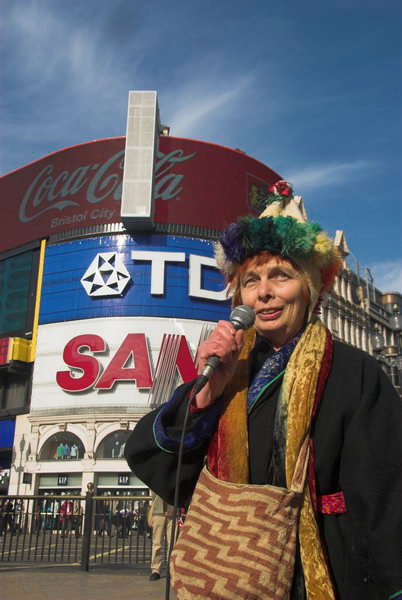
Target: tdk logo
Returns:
[106, 275]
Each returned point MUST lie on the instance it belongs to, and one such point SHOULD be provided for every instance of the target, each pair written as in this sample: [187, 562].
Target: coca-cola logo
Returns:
[94, 183]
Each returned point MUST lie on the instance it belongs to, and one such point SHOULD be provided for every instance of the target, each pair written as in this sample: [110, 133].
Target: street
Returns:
[27, 582]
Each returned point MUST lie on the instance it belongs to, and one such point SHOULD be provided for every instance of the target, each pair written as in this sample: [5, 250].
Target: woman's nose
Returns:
[265, 290]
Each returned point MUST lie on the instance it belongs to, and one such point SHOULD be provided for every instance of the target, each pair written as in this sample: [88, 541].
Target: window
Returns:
[62, 446]
[113, 445]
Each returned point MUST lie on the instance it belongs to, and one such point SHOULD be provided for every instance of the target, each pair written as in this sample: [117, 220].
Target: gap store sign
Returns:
[145, 275]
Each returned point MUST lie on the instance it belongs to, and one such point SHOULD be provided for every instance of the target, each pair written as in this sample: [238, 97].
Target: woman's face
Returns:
[278, 294]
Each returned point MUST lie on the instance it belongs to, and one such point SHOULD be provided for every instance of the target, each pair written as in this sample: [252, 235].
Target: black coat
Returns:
[357, 437]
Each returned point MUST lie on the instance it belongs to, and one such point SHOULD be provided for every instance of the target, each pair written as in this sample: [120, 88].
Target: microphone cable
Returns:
[193, 394]
[242, 317]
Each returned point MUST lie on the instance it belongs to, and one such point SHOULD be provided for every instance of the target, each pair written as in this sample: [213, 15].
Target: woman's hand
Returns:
[226, 343]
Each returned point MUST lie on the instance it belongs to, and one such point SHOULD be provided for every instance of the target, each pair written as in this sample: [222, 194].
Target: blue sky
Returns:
[311, 88]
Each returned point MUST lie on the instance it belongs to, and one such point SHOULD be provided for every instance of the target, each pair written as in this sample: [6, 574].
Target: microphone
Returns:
[242, 317]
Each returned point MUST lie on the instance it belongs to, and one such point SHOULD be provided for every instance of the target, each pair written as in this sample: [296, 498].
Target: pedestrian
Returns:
[104, 518]
[289, 413]
[9, 516]
[142, 517]
[3, 517]
[125, 521]
[161, 523]
[78, 513]
[18, 517]
[37, 524]
[66, 517]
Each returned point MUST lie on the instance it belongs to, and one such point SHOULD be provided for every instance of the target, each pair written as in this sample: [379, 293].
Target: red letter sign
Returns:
[89, 366]
[134, 347]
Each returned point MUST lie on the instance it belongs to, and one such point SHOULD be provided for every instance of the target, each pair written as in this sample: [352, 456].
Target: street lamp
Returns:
[396, 321]
[392, 356]
[377, 340]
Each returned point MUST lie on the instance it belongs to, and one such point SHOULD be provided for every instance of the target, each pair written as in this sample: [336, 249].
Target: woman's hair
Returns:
[258, 260]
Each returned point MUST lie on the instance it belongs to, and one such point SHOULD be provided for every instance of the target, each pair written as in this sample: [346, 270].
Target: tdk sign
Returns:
[142, 275]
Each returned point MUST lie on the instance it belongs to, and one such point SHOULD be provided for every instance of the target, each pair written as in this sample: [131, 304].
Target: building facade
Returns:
[355, 311]
[110, 285]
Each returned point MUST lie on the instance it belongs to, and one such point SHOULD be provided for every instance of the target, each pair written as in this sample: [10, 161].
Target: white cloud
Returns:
[82, 85]
[308, 178]
[74, 77]
[66, 79]
[204, 99]
[388, 275]
[75, 48]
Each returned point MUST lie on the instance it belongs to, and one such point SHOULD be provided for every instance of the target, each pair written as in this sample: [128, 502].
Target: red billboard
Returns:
[196, 183]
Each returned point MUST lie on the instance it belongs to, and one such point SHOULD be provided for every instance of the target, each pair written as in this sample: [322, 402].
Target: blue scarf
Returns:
[272, 368]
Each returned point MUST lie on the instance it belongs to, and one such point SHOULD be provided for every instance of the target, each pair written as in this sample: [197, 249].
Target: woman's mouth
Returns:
[269, 314]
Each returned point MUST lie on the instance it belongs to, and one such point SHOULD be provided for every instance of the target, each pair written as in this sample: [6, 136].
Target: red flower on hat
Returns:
[281, 188]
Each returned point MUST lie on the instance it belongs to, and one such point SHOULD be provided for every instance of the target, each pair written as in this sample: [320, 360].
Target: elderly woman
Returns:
[282, 385]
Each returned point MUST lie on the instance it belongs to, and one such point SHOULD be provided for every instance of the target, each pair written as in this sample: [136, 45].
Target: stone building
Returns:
[355, 311]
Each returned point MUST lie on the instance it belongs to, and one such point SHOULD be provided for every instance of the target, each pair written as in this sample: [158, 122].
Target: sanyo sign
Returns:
[113, 361]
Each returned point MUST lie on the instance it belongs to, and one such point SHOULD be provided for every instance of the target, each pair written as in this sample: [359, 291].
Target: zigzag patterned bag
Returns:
[238, 541]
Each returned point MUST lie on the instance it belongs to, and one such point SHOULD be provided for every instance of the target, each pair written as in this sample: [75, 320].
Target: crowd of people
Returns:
[11, 516]
[17, 516]
[121, 518]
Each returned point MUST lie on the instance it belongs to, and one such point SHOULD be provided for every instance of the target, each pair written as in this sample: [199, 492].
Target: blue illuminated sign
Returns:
[139, 275]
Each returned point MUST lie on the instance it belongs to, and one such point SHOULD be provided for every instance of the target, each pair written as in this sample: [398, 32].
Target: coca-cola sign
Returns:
[195, 184]
[52, 191]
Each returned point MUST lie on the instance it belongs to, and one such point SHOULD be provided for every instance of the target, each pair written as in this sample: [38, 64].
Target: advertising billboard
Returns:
[121, 319]
[140, 275]
[125, 364]
[195, 184]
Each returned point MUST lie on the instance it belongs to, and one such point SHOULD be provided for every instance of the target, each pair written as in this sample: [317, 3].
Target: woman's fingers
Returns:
[224, 342]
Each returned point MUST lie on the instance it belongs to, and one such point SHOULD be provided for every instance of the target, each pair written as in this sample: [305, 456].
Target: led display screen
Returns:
[18, 280]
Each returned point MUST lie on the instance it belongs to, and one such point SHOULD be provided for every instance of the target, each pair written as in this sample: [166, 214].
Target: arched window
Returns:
[62, 446]
[113, 445]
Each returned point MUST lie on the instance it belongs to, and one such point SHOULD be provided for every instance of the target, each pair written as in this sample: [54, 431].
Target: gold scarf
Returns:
[298, 392]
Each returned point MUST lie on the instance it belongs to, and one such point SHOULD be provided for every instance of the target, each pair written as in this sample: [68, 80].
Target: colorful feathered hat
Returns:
[282, 228]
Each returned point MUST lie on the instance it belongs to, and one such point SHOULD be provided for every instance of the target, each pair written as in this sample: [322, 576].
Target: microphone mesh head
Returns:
[242, 317]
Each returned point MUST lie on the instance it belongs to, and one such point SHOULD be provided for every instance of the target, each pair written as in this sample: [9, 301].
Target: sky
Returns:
[311, 88]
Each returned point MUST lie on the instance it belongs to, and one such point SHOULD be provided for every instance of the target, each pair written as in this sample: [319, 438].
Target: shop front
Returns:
[120, 484]
[63, 484]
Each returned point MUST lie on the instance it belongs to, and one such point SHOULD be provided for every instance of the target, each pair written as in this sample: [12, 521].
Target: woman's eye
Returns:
[249, 281]
[282, 275]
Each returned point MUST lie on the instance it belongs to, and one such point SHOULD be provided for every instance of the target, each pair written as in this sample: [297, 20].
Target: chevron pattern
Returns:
[237, 543]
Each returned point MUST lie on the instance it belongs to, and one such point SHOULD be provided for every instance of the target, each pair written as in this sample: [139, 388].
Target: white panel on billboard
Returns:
[116, 364]
[137, 205]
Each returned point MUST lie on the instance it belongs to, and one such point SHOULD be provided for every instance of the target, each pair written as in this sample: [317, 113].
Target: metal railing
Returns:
[82, 530]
